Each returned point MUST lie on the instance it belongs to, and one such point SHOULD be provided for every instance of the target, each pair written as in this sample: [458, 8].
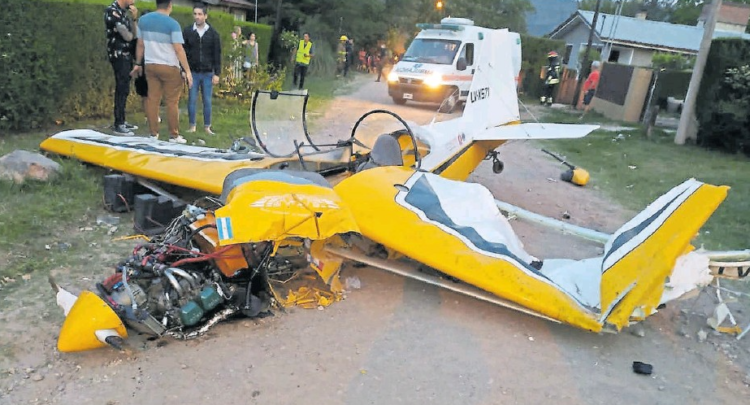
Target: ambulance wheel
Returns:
[450, 102]
[398, 100]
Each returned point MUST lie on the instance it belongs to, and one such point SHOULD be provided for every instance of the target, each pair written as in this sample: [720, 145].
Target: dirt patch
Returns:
[393, 340]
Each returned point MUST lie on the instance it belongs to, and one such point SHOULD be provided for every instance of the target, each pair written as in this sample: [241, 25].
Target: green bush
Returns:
[53, 59]
[594, 54]
[239, 84]
[673, 61]
[722, 110]
[534, 55]
[323, 63]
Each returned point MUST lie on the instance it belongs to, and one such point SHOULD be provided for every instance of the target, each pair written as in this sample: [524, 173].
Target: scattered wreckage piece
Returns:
[186, 280]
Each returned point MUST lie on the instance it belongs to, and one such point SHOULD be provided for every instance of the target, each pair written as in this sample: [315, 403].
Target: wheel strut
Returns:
[497, 164]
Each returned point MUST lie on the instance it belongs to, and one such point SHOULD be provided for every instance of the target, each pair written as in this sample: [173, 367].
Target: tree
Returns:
[656, 10]
[370, 21]
[492, 13]
[687, 11]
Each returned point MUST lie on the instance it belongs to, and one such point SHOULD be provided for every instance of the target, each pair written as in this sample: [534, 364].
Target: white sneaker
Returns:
[191, 129]
[122, 130]
[209, 131]
[178, 139]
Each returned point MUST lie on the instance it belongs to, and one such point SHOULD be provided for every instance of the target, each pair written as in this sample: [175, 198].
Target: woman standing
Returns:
[237, 59]
[251, 52]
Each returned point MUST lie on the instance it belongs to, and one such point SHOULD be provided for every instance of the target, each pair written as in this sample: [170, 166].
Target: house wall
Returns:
[616, 105]
[720, 26]
[642, 57]
[618, 54]
[238, 13]
[578, 37]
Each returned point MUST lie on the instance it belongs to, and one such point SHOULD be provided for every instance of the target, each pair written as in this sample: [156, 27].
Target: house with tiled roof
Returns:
[732, 17]
[240, 9]
[633, 40]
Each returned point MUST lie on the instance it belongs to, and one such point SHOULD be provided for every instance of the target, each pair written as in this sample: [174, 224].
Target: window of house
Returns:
[568, 52]
[614, 56]
[468, 53]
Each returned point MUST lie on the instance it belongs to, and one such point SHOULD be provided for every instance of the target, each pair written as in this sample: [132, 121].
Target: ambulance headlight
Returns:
[434, 80]
[392, 77]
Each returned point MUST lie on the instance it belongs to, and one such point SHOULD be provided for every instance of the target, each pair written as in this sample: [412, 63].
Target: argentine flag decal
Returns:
[224, 226]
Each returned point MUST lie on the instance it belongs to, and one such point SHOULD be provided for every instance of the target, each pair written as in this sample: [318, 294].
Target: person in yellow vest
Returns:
[551, 76]
[303, 55]
[341, 55]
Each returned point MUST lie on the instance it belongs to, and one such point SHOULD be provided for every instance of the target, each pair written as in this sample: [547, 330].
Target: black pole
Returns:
[585, 68]
[277, 55]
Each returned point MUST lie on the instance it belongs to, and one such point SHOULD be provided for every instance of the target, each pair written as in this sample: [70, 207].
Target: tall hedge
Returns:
[53, 59]
[722, 124]
[534, 54]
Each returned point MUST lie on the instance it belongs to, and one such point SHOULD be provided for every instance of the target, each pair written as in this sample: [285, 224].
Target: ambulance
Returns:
[439, 65]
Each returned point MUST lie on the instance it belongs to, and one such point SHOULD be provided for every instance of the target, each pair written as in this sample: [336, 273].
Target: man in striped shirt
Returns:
[160, 47]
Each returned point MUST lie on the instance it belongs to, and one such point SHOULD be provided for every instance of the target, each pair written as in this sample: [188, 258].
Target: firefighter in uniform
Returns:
[341, 55]
[551, 76]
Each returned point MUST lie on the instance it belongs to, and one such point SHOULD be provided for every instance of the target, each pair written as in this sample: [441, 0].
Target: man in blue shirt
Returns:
[160, 48]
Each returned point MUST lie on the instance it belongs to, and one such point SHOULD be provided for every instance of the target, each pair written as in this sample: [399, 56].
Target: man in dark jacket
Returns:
[203, 48]
[121, 33]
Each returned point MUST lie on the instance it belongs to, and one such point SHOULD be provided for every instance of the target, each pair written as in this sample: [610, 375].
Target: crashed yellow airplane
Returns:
[406, 194]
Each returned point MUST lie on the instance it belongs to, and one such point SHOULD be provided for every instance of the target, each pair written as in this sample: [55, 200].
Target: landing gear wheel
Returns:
[450, 102]
[497, 164]
[398, 100]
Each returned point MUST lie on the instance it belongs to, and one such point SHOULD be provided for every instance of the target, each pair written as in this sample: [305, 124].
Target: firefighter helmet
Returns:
[343, 38]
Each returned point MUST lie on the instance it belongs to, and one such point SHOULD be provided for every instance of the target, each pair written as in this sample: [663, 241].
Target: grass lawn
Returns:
[634, 171]
[36, 215]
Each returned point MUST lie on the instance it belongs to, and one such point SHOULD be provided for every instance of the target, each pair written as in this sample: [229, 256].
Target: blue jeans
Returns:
[202, 83]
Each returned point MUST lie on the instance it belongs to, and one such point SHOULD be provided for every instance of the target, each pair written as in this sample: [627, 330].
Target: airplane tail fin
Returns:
[492, 102]
[640, 256]
[492, 99]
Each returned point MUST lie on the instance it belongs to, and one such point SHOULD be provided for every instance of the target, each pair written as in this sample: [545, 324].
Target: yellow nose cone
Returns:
[580, 177]
[88, 315]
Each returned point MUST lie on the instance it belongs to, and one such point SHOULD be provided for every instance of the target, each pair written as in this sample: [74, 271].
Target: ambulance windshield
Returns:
[438, 51]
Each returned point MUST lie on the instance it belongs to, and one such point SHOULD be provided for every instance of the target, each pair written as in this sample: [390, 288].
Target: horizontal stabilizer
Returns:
[535, 131]
[640, 256]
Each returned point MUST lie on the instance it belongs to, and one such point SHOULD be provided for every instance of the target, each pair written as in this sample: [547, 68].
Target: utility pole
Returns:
[276, 55]
[688, 127]
[585, 64]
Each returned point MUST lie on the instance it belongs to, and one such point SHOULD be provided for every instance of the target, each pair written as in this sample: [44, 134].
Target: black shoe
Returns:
[130, 126]
[122, 130]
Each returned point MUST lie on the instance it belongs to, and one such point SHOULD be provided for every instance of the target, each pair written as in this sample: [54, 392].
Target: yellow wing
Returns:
[456, 228]
[411, 213]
